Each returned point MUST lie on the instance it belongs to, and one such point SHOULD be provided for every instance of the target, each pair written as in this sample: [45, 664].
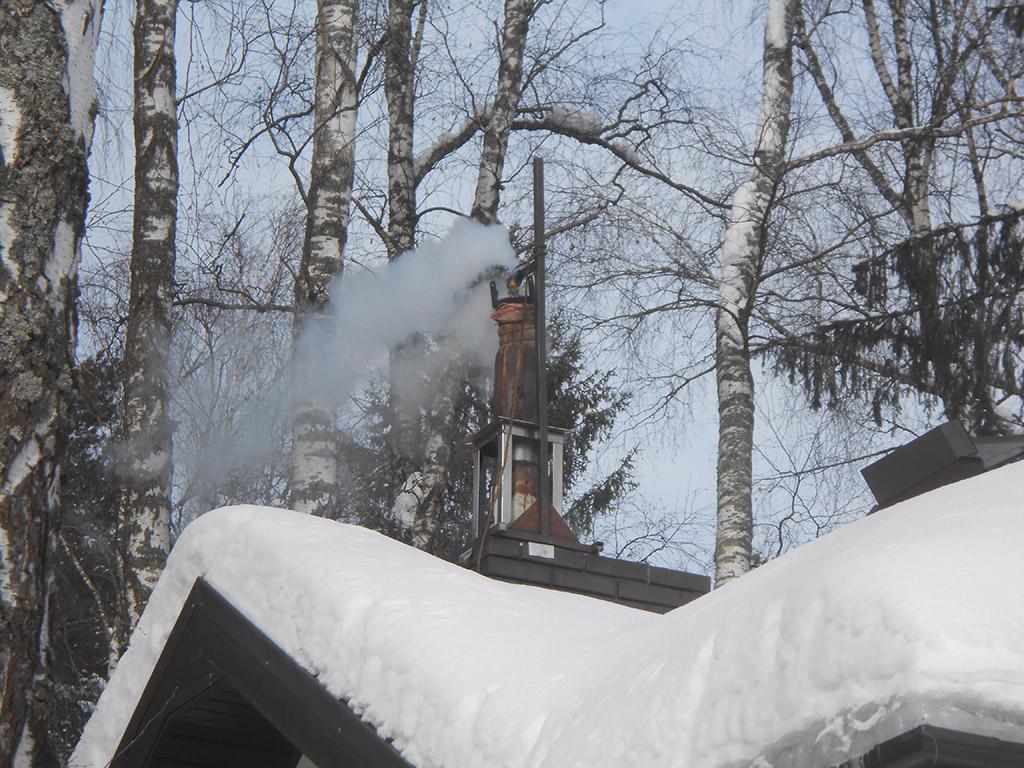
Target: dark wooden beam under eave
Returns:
[214, 648]
[928, 746]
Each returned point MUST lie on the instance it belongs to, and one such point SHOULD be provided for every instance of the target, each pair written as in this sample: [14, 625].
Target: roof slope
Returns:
[912, 615]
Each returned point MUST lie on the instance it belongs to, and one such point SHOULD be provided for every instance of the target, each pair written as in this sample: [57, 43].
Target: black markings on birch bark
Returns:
[421, 495]
[401, 53]
[45, 84]
[147, 428]
[506, 103]
[314, 451]
[741, 260]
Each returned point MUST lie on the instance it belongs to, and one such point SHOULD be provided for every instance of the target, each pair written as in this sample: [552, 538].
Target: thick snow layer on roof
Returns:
[913, 615]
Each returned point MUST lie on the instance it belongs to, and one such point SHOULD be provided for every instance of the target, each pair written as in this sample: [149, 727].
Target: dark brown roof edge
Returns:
[928, 745]
[228, 645]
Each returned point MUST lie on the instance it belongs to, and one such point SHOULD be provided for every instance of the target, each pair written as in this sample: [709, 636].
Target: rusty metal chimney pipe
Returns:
[515, 396]
[515, 364]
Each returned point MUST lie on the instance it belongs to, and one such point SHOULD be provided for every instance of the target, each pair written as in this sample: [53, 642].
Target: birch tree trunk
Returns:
[400, 93]
[741, 261]
[401, 53]
[420, 499]
[148, 431]
[46, 116]
[399, 88]
[314, 453]
[503, 111]
[900, 95]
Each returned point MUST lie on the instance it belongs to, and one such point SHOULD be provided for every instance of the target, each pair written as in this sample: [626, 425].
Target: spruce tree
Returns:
[942, 320]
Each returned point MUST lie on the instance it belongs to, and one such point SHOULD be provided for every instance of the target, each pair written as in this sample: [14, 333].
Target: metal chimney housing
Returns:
[519, 534]
[507, 473]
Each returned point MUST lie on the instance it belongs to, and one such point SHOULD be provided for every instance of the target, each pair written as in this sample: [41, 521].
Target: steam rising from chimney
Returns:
[433, 290]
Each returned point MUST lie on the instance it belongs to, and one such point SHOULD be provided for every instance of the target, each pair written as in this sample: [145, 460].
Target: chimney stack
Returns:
[518, 530]
[515, 395]
[515, 364]
[507, 457]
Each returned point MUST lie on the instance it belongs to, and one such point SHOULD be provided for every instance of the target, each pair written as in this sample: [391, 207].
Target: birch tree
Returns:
[401, 52]
[328, 199]
[148, 430]
[931, 304]
[503, 110]
[741, 261]
[46, 119]
[419, 501]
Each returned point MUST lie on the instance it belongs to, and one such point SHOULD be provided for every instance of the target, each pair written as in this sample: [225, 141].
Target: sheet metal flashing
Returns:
[505, 555]
[489, 432]
[940, 456]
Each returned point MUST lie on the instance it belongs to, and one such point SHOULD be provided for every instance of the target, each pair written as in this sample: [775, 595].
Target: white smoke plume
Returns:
[231, 433]
[432, 290]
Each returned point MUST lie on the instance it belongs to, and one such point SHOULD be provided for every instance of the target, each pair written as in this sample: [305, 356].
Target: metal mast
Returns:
[539, 252]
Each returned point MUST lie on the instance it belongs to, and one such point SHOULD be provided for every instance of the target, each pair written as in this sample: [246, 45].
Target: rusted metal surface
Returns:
[525, 484]
[530, 522]
[515, 364]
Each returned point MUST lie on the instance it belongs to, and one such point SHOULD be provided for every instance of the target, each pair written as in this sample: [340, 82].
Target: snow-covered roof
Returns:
[912, 615]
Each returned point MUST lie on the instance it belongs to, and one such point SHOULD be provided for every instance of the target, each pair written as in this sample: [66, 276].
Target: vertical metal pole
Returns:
[539, 252]
[478, 489]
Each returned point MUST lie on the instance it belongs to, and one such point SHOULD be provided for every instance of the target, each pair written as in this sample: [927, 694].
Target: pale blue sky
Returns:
[677, 467]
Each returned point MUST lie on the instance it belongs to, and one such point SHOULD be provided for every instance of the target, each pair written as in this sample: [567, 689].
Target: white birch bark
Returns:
[47, 105]
[828, 96]
[148, 431]
[400, 92]
[314, 452]
[420, 499]
[901, 98]
[741, 260]
[918, 151]
[503, 111]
